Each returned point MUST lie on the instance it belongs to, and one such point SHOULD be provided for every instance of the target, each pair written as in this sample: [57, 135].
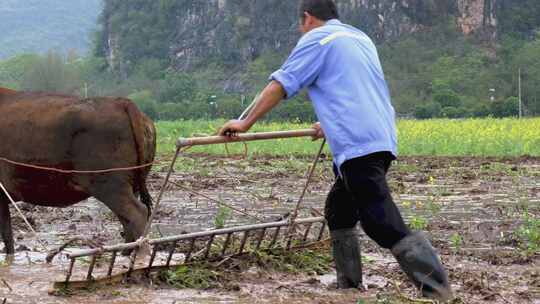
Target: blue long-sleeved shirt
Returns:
[340, 67]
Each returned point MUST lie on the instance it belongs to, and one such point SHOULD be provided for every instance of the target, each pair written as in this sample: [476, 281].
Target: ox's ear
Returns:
[6, 92]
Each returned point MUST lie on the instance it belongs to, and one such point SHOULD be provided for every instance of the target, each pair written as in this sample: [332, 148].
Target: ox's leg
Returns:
[119, 197]
[5, 227]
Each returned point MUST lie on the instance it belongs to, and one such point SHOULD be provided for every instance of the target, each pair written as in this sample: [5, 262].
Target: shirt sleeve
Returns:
[301, 68]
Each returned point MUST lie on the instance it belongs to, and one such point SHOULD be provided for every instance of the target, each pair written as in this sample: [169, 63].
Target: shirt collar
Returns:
[333, 22]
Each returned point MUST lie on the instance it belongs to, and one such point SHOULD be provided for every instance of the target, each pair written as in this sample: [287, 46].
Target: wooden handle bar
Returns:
[212, 140]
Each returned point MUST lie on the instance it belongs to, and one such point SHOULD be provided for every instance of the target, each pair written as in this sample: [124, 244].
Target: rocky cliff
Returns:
[241, 30]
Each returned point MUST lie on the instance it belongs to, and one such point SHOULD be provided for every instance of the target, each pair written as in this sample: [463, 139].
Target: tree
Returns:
[506, 108]
[447, 98]
[151, 68]
[146, 103]
[480, 110]
[453, 112]
[51, 73]
[177, 88]
[12, 70]
[519, 17]
[427, 111]
[528, 60]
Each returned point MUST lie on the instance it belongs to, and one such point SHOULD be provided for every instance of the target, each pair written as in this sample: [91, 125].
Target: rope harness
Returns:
[42, 168]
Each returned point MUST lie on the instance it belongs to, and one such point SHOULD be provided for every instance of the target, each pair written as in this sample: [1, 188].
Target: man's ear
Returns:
[308, 17]
[304, 18]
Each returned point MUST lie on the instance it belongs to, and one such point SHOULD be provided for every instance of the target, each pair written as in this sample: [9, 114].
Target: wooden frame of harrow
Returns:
[256, 234]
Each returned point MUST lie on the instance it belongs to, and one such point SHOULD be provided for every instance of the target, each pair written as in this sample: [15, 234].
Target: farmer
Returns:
[339, 66]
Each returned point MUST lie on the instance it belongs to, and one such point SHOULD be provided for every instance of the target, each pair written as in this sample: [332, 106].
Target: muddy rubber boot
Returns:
[346, 250]
[419, 261]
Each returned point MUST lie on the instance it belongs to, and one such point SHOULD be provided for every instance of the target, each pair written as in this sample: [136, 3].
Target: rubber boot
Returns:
[346, 250]
[419, 261]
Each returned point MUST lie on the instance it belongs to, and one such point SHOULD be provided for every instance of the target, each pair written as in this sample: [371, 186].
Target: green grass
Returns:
[302, 261]
[418, 223]
[197, 276]
[223, 214]
[442, 137]
[529, 233]
[204, 275]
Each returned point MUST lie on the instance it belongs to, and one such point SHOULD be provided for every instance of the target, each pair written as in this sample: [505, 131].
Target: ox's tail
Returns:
[144, 135]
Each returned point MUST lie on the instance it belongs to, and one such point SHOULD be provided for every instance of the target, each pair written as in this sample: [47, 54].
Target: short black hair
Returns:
[320, 9]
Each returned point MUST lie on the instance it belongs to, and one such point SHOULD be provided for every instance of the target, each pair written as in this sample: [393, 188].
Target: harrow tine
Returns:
[70, 270]
[274, 239]
[132, 261]
[209, 246]
[91, 268]
[306, 234]
[111, 265]
[171, 252]
[191, 248]
[243, 244]
[321, 233]
[152, 257]
[290, 238]
[226, 244]
[259, 241]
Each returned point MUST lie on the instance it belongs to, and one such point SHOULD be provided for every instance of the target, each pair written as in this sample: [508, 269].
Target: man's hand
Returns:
[269, 98]
[320, 132]
[233, 127]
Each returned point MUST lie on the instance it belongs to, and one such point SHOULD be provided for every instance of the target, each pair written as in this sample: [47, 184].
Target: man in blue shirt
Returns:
[339, 66]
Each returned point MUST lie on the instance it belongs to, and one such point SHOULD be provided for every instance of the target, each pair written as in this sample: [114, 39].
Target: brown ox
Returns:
[69, 133]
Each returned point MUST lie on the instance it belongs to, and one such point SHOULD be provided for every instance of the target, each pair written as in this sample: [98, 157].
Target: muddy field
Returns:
[473, 208]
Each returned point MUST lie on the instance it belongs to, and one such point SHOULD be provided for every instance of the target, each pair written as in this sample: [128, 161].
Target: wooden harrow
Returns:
[107, 265]
[174, 251]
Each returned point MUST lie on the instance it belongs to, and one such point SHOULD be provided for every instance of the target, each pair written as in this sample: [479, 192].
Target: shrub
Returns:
[453, 112]
[480, 110]
[447, 98]
[177, 88]
[146, 103]
[430, 110]
[506, 108]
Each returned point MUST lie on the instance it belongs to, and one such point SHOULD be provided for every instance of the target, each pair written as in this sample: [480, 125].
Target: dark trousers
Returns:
[361, 193]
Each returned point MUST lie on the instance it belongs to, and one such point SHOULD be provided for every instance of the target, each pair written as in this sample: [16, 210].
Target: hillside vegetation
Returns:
[434, 71]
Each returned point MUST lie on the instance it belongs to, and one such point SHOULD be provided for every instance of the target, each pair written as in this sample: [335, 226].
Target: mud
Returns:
[471, 207]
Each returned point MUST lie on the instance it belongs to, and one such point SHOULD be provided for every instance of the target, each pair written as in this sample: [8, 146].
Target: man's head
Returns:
[314, 13]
